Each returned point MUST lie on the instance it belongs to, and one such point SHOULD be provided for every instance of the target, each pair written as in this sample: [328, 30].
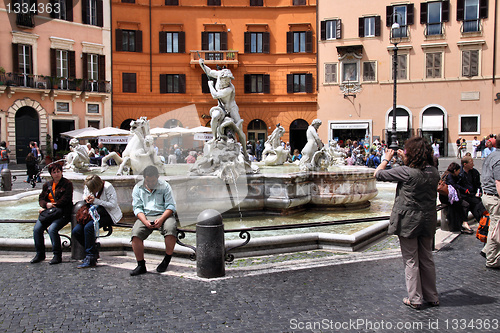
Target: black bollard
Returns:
[210, 247]
[77, 249]
[6, 180]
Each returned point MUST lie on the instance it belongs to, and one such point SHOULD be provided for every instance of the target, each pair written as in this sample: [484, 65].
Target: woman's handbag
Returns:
[442, 186]
[83, 215]
[49, 215]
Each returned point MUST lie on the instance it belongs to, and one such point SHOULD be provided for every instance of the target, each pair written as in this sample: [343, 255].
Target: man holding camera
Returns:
[154, 207]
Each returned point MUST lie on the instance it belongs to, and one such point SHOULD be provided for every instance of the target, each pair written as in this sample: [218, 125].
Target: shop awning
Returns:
[349, 126]
[401, 123]
[432, 123]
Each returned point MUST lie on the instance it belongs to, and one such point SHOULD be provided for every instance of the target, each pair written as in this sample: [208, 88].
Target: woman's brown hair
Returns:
[94, 183]
[418, 153]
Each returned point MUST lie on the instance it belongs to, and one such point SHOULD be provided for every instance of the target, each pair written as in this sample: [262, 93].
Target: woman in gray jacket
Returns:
[414, 217]
[103, 195]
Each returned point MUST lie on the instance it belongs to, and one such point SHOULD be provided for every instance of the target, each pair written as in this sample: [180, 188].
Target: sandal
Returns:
[466, 231]
[406, 301]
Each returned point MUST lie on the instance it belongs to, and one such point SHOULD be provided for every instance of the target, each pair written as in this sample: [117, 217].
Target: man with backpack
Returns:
[372, 161]
[4, 156]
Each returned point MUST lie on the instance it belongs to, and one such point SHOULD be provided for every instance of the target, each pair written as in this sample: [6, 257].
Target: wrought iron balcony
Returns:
[52, 82]
[227, 57]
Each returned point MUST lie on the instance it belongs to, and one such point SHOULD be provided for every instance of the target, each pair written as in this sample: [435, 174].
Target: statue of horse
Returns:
[139, 152]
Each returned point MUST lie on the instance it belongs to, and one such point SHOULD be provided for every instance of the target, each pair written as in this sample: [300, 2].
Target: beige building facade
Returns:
[447, 70]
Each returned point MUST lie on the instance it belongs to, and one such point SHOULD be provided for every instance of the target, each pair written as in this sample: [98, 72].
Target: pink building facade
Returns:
[447, 70]
[55, 71]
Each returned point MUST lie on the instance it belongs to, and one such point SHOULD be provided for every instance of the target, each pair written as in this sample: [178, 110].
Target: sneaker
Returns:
[57, 259]
[38, 258]
[139, 270]
[87, 263]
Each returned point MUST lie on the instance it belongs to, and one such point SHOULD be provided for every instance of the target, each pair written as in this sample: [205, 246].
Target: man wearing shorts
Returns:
[154, 207]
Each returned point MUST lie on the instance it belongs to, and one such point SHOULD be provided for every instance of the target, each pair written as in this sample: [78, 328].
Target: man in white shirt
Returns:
[475, 146]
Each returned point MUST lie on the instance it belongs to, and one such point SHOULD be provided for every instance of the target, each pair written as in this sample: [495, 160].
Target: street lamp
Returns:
[395, 27]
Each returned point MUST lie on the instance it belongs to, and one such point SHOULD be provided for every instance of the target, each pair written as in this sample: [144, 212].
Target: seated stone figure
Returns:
[78, 158]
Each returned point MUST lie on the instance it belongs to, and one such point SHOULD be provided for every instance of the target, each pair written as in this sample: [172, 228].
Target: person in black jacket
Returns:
[58, 193]
[469, 185]
[456, 211]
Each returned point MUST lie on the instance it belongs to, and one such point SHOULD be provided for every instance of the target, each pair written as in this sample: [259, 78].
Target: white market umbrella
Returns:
[106, 131]
[73, 133]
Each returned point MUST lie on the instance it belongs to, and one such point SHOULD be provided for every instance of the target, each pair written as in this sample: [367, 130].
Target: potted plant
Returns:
[78, 84]
[48, 149]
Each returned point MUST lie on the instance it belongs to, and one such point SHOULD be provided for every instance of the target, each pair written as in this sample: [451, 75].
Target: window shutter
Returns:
[85, 11]
[339, 29]
[474, 63]
[99, 13]
[483, 9]
[101, 74]
[423, 13]
[445, 15]
[163, 42]
[289, 83]
[437, 65]
[85, 69]
[69, 10]
[266, 42]
[429, 64]
[465, 63]
[289, 42]
[309, 83]
[53, 67]
[182, 42]
[361, 27]
[409, 15]
[377, 25]
[402, 67]
[204, 84]
[323, 30]
[32, 70]
[182, 83]
[15, 58]
[71, 64]
[248, 81]
[460, 10]
[388, 16]
[223, 41]
[246, 37]
[267, 84]
[53, 14]
[204, 40]
[309, 41]
[138, 41]
[133, 82]
[119, 39]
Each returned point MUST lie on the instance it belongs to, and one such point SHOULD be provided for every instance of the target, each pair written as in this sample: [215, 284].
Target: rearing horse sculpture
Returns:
[139, 152]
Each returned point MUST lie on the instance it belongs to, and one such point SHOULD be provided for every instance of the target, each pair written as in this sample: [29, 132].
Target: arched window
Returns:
[257, 130]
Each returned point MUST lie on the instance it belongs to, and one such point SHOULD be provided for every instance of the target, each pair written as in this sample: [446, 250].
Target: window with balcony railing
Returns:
[403, 15]
[470, 12]
[433, 15]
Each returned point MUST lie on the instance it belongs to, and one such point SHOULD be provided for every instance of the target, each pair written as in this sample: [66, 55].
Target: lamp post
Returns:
[394, 28]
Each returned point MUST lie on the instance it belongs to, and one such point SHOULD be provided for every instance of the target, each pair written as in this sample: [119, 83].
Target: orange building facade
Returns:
[268, 45]
[55, 71]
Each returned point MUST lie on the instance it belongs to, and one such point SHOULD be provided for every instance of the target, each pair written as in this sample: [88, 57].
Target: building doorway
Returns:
[298, 138]
[434, 128]
[257, 131]
[403, 127]
[27, 129]
[60, 126]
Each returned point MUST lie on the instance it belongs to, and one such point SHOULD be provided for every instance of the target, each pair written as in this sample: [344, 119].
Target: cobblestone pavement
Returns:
[311, 293]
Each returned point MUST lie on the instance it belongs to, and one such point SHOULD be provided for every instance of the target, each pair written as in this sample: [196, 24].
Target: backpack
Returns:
[370, 163]
[482, 229]
[4, 155]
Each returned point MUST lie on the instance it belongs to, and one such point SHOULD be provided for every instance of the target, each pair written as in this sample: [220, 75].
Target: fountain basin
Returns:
[254, 194]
